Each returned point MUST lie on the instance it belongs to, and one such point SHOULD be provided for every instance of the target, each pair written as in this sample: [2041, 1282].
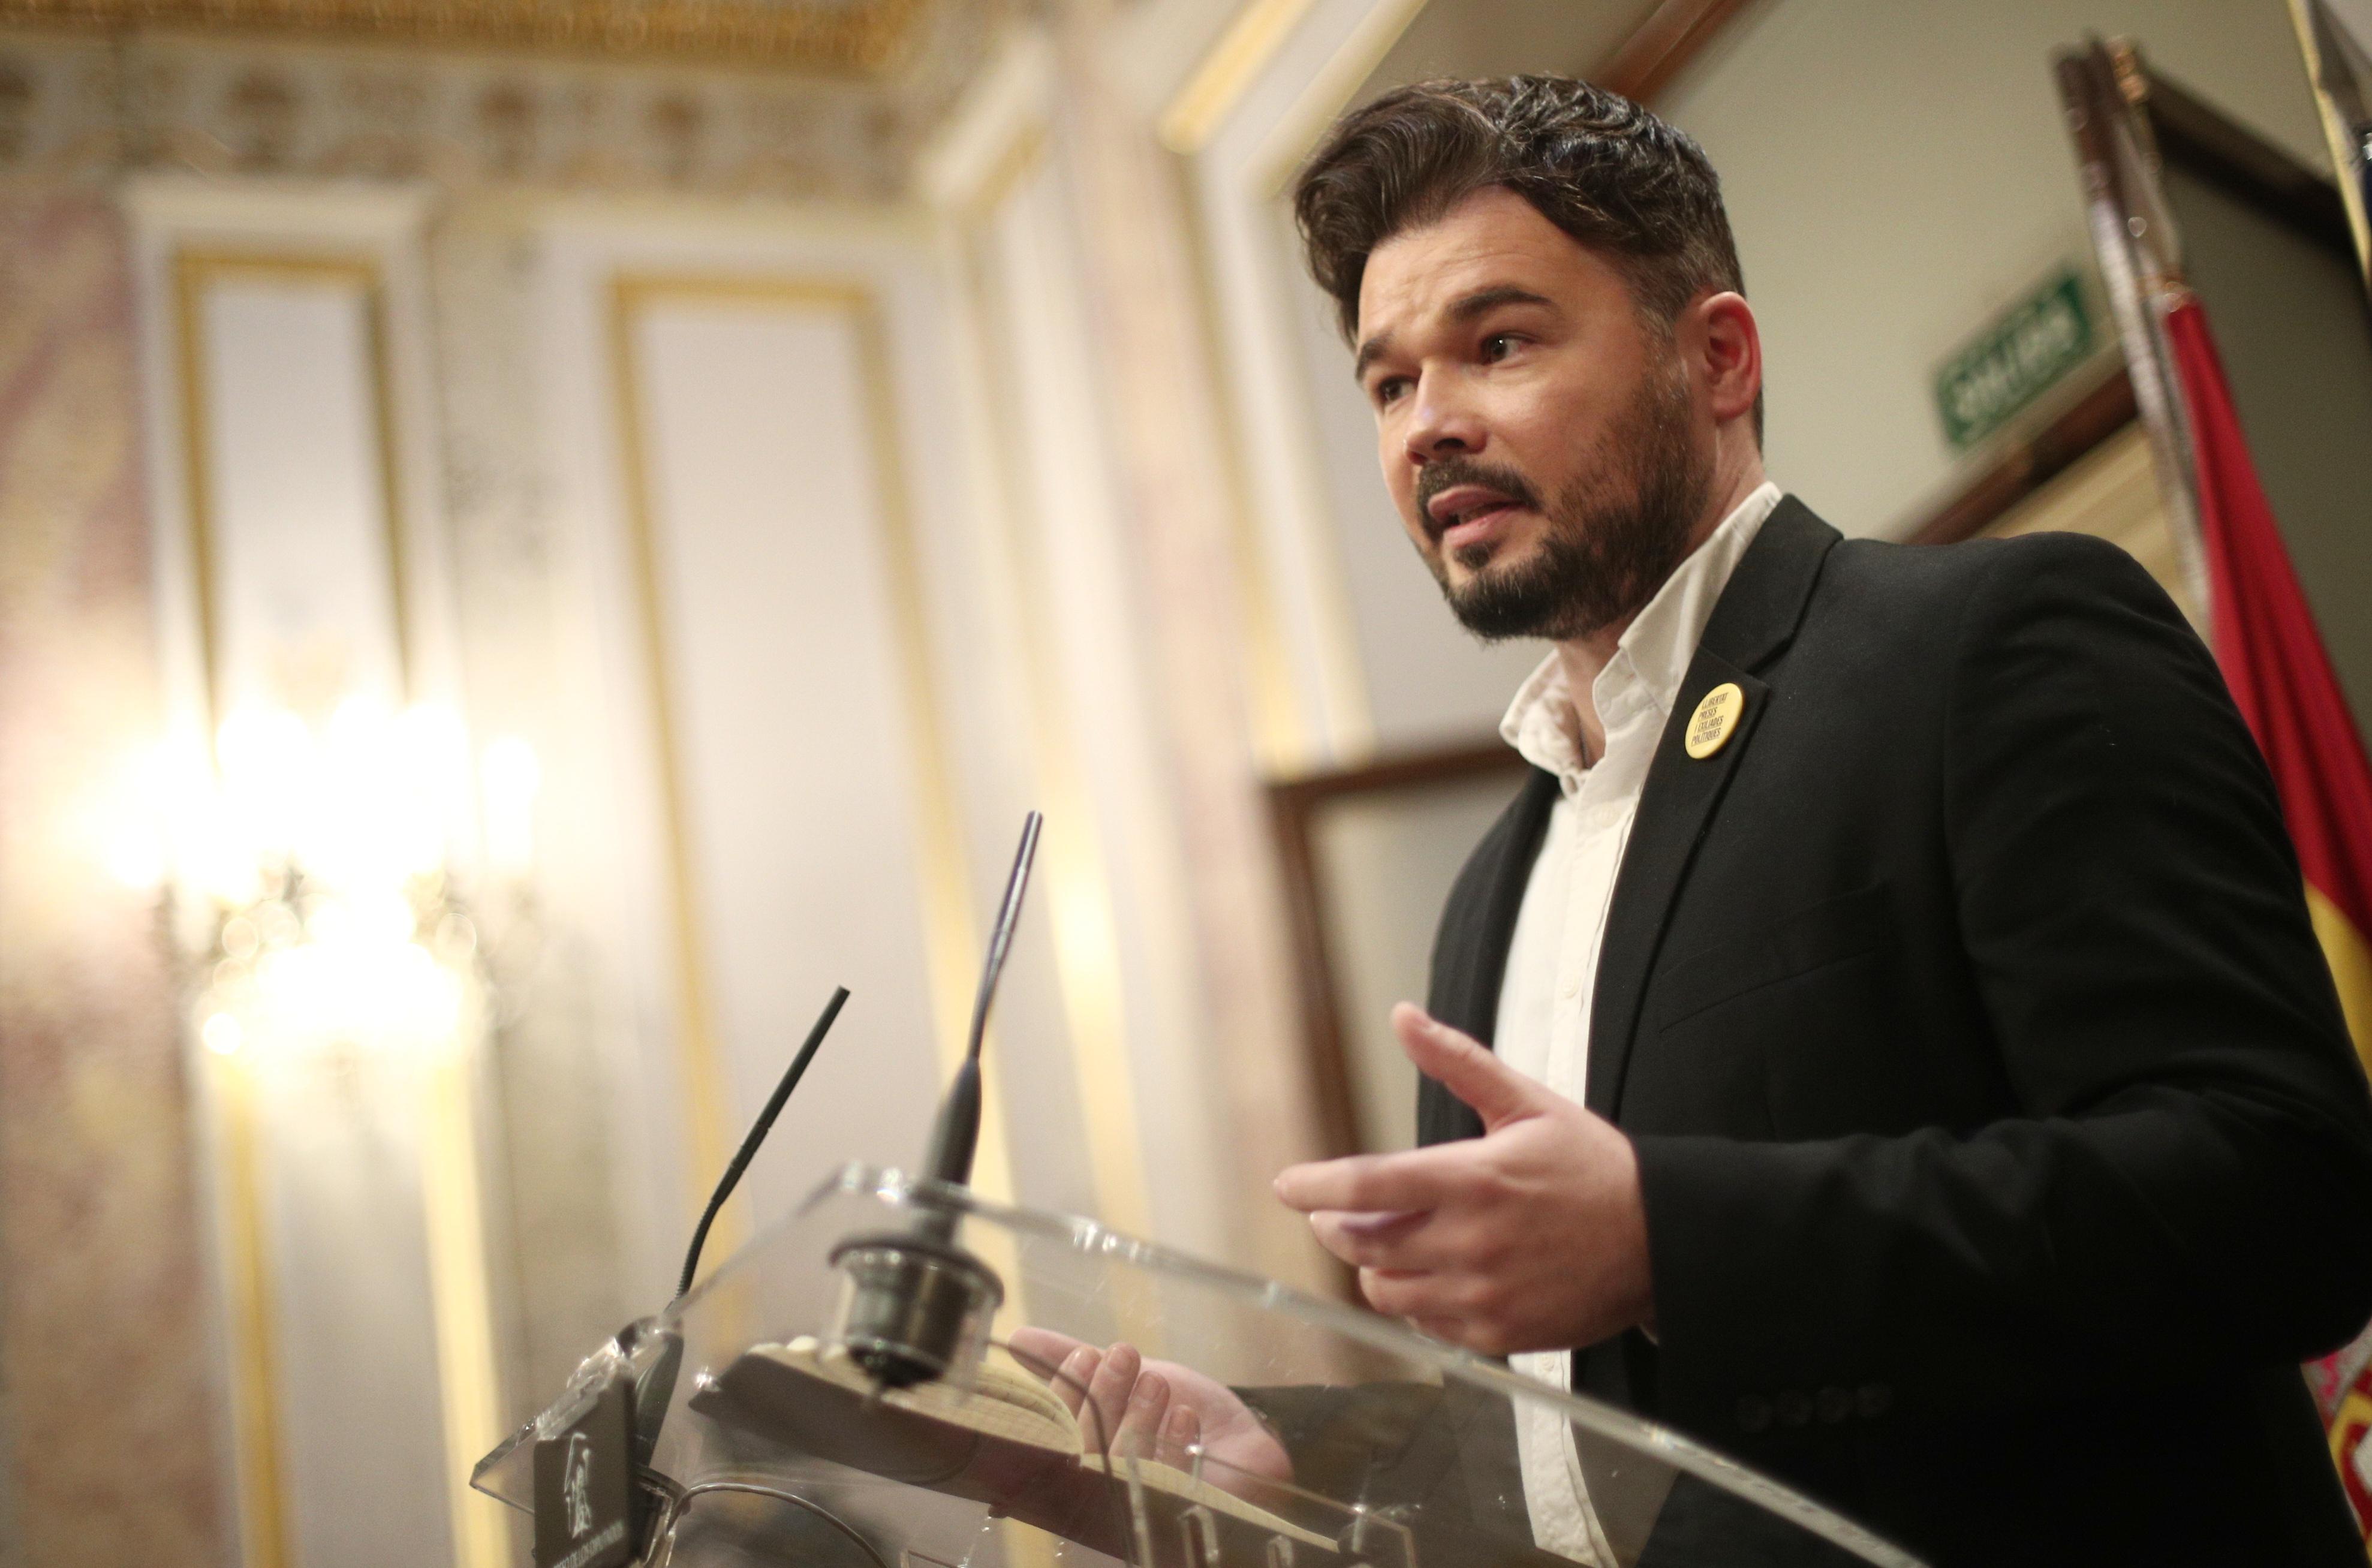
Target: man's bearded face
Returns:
[1543, 443]
[1608, 539]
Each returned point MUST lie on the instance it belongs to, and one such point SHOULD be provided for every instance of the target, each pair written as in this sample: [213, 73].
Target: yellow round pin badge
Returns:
[1716, 720]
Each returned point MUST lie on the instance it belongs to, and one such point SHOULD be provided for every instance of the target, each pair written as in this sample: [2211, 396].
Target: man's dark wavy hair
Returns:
[1592, 162]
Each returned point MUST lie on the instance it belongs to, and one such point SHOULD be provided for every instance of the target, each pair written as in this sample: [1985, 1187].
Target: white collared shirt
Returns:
[1552, 979]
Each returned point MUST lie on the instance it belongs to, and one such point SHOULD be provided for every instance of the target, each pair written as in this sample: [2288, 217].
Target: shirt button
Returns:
[1832, 1405]
[1873, 1399]
[1793, 1408]
[1754, 1412]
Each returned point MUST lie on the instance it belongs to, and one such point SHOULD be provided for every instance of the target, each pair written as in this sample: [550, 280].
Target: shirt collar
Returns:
[1651, 659]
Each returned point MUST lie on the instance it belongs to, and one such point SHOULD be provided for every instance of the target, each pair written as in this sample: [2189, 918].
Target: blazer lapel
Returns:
[1488, 929]
[1756, 617]
[1478, 928]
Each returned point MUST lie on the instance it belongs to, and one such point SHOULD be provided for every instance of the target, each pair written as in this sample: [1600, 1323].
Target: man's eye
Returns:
[1390, 388]
[1498, 346]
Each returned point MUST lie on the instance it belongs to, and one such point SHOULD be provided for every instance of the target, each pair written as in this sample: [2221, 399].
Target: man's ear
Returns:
[1729, 349]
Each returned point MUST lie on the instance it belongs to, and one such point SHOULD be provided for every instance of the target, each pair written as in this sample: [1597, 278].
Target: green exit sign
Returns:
[2015, 360]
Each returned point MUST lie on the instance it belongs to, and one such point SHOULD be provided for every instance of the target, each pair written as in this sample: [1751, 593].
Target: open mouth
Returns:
[1465, 516]
[1479, 525]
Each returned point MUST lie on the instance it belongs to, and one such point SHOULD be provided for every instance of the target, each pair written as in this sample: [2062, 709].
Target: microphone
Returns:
[758, 1130]
[957, 1134]
[655, 1387]
[919, 1301]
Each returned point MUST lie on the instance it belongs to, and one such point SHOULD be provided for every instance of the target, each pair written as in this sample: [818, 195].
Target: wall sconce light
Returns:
[324, 882]
[320, 870]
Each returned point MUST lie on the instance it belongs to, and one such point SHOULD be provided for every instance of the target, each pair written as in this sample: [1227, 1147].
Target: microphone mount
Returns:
[918, 1303]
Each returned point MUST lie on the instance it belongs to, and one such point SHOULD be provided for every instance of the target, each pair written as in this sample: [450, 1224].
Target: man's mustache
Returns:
[1446, 472]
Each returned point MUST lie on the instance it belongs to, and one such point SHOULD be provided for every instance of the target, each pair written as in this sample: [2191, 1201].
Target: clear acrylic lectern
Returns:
[877, 1382]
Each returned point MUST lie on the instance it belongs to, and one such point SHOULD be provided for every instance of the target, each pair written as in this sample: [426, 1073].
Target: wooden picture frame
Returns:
[1298, 808]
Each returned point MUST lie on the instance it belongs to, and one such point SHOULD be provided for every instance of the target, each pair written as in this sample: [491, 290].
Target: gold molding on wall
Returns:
[454, 1212]
[1086, 941]
[449, 1180]
[1329, 92]
[1247, 45]
[696, 1047]
[1292, 727]
[1020, 158]
[195, 270]
[859, 38]
[255, 1410]
[950, 939]
[1348, 727]
[1285, 735]
[248, 1285]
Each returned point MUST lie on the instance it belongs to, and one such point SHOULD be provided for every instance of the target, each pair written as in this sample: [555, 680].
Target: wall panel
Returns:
[779, 602]
[297, 553]
[759, 470]
[292, 487]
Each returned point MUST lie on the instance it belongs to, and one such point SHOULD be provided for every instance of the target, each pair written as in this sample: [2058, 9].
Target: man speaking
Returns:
[1884, 1038]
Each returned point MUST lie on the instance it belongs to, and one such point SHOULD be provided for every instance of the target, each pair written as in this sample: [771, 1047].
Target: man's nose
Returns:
[1442, 423]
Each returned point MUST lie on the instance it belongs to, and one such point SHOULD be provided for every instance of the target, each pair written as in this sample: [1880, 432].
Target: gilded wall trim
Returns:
[256, 1435]
[453, 1205]
[87, 104]
[1087, 938]
[449, 1177]
[859, 38]
[1234, 60]
[258, 1440]
[950, 938]
[1309, 697]
[195, 272]
[1283, 732]
[708, 1111]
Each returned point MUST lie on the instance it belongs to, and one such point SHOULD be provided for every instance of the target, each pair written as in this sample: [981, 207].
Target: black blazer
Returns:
[2002, 1145]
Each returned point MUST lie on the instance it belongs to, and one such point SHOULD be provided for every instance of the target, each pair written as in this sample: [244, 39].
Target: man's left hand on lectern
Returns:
[1140, 1404]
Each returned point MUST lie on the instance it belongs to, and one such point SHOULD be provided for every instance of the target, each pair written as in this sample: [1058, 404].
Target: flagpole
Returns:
[2346, 121]
[2104, 90]
[2263, 636]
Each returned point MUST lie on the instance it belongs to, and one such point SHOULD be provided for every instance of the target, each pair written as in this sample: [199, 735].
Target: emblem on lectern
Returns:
[576, 1487]
[584, 1484]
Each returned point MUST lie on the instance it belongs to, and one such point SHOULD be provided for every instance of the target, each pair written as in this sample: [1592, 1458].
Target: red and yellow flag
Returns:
[2281, 678]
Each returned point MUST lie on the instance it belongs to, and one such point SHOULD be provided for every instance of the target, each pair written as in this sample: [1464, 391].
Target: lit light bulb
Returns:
[271, 780]
[366, 809]
[510, 777]
[432, 759]
[127, 817]
[222, 1034]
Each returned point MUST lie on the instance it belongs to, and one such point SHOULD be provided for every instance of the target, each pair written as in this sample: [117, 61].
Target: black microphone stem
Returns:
[758, 1131]
[956, 1135]
[921, 1303]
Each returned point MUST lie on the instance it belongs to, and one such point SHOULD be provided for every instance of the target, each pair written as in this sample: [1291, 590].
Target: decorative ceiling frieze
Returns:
[857, 37]
[78, 103]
